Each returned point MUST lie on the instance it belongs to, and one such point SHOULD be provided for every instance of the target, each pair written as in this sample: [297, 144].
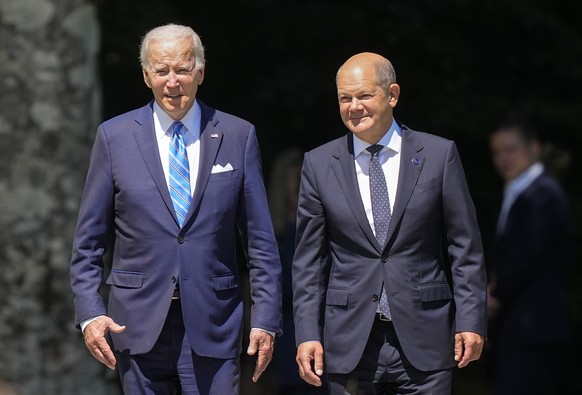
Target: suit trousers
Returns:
[172, 368]
[384, 369]
[533, 370]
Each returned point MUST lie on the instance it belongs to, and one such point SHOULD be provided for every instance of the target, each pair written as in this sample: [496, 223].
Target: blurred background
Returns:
[66, 65]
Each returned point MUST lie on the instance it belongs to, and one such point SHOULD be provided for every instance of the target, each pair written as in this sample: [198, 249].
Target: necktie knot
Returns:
[375, 149]
[178, 127]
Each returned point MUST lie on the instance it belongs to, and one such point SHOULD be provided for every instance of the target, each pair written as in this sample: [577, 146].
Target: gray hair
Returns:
[385, 74]
[172, 32]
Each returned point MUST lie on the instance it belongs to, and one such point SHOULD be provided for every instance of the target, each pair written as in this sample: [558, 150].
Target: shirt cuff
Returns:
[88, 321]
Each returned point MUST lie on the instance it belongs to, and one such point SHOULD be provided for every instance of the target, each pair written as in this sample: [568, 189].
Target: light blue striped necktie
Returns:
[380, 210]
[179, 173]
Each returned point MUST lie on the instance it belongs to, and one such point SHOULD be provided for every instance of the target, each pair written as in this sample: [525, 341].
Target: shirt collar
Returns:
[392, 139]
[191, 119]
[522, 181]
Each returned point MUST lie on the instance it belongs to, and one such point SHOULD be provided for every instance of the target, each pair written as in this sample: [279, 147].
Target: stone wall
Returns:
[49, 109]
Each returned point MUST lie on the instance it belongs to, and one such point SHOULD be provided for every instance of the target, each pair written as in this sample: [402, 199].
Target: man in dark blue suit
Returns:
[172, 182]
[388, 275]
[528, 300]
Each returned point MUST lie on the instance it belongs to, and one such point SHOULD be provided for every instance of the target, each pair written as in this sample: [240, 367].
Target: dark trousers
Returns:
[172, 368]
[384, 369]
[529, 370]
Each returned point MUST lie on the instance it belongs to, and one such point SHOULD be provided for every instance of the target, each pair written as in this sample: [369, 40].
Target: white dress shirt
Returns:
[162, 125]
[389, 160]
[513, 189]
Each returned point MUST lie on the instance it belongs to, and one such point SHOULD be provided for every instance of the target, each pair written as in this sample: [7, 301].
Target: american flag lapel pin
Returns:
[214, 135]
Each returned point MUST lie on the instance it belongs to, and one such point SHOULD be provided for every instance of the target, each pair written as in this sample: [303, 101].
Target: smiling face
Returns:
[365, 105]
[173, 75]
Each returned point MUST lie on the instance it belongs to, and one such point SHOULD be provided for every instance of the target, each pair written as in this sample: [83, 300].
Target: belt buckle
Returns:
[176, 295]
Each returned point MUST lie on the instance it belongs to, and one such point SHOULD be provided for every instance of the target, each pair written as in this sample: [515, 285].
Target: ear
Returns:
[146, 78]
[200, 76]
[393, 94]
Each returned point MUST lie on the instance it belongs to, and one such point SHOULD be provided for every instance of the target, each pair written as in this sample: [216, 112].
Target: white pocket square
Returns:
[221, 169]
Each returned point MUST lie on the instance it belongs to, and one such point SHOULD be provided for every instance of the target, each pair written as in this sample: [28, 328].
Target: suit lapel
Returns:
[145, 136]
[345, 172]
[210, 140]
[411, 163]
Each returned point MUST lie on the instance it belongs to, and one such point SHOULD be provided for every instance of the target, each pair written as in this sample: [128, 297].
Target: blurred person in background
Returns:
[528, 293]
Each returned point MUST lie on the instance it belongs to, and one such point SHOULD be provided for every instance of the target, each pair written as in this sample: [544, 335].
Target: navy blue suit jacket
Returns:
[126, 195]
[429, 301]
[529, 264]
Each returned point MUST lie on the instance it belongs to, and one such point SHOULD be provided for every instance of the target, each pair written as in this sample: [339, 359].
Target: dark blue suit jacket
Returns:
[126, 194]
[529, 264]
[428, 301]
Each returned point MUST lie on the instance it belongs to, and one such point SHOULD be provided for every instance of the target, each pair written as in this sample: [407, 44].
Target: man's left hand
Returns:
[264, 343]
[468, 347]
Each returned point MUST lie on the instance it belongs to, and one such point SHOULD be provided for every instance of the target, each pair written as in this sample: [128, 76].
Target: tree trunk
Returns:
[49, 107]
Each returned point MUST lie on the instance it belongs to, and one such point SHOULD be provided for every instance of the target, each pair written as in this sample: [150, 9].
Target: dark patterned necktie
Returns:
[380, 209]
[179, 173]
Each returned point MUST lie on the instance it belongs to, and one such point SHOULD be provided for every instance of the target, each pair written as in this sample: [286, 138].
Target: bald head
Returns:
[367, 94]
[382, 67]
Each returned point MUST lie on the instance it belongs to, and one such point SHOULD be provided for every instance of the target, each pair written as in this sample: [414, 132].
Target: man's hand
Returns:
[95, 340]
[264, 343]
[308, 353]
[468, 347]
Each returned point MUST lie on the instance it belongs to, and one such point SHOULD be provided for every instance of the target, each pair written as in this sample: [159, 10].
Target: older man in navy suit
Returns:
[172, 182]
[388, 274]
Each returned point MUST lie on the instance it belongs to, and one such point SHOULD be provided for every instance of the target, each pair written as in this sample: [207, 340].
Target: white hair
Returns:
[172, 32]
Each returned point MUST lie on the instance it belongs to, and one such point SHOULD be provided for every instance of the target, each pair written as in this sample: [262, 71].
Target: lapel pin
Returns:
[415, 161]
[214, 136]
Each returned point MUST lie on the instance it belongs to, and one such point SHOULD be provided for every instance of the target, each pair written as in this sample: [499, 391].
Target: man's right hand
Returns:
[308, 353]
[95, 341]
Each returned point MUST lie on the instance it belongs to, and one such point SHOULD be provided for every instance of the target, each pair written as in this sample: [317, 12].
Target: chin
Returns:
[358, 130]
[361, 125]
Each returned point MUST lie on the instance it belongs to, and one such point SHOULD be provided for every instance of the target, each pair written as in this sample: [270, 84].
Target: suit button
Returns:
[375, 298]
[181, 239]
[174, 279]
[384, 259]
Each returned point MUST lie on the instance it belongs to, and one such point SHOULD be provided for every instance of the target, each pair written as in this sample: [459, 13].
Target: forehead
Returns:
[509, 135]
[170, 51]
[508, 140]
[357, 78]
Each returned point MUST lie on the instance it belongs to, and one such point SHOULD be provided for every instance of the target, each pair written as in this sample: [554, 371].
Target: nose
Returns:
[355, 105]
[172, 78]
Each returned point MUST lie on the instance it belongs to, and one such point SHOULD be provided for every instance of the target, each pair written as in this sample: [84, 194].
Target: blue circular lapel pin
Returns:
[415, 161]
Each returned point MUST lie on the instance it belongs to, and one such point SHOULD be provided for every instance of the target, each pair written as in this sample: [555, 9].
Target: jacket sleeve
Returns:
[92, 234]
[464, 247]
[259, 243]
[311, 255]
